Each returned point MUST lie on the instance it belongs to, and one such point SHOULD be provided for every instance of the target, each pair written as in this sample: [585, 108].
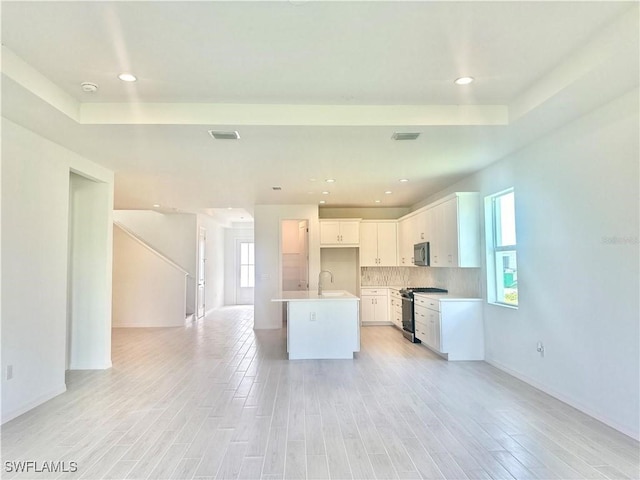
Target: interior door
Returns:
[202, 244]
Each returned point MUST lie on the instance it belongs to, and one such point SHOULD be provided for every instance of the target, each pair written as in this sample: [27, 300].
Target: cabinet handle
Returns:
[421, 236]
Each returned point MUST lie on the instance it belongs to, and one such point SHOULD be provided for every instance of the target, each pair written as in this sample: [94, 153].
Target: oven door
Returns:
[408, 322]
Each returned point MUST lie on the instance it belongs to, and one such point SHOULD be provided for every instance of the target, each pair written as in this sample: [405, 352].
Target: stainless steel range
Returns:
[408, 314]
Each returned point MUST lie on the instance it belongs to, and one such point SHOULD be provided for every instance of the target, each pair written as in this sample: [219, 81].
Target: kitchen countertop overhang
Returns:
[307, 295]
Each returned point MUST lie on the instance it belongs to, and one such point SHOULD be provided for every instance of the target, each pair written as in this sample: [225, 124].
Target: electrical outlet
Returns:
[312, 316]
[540, 349]
[9, 372]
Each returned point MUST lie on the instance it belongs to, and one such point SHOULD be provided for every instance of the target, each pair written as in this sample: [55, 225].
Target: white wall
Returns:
[215, 255]
[148, 291]
[576, 193]
[267, 243]
[231, 237]
[174, 235]
[344, 263]
[35, 208]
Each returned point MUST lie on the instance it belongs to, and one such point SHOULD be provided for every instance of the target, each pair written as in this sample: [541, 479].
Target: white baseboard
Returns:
[635, 434]
[7, 416]
[377, 324]
[104, 366]
[144, 325]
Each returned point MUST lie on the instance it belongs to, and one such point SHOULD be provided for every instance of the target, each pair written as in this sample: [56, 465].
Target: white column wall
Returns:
[268, 314]
[35, 227]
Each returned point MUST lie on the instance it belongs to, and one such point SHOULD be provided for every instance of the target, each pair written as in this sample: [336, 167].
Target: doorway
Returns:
[88, 342]
[295, 255]
[245, 264]
[202, 265]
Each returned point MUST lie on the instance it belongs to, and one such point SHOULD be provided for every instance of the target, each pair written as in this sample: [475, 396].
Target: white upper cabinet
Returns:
[455, 234]
[378, 244]
[405, 241]
[421, 226]
[340, 233]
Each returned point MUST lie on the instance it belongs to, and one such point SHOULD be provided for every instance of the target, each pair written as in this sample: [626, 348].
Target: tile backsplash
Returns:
[463, 281]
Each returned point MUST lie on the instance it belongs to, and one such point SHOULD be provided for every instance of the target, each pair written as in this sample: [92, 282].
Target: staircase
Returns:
[149, 289]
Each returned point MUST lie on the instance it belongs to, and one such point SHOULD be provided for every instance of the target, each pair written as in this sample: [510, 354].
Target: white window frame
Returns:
[491, 225]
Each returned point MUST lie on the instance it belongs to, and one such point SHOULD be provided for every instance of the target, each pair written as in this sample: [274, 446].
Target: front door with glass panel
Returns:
[245, 273]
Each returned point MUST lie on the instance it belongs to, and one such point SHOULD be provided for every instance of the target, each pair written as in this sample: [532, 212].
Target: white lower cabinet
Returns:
[395, 307]
[374, 306]
[452, 327]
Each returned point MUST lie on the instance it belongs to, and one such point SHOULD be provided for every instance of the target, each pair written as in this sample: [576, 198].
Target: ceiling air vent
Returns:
[405, 136]
[276, 188]
[220, 135]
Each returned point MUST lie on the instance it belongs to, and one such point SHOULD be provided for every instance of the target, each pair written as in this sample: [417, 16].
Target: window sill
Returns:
[505, 305]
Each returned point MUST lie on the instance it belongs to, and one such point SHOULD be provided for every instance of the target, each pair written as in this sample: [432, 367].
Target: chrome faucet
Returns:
[320, 280]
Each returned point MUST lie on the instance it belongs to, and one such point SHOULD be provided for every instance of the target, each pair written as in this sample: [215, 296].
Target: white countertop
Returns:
[449, 297]
[306, 295]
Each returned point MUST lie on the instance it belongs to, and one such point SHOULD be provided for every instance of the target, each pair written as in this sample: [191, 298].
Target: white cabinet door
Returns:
[387, 245]
[378, 244]
[420, 227]
[367, 309]
[382, 308]
[368, 244]
[455, 232]
[449, 225]
[433, 325]
[374, 308]
[437, 238]
[329, 232]
[339, 233]
[405, 240]
[350, 233]
[421, 324]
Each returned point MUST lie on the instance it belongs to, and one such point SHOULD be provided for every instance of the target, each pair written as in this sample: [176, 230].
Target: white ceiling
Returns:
[239, 65]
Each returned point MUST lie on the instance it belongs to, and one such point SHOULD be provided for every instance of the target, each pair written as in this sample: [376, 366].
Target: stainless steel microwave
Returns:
[421, 254]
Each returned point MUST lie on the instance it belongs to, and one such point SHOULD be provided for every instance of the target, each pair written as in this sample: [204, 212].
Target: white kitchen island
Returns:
[323, 326]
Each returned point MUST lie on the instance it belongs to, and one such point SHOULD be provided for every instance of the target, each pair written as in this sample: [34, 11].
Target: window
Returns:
[502, 266]
[247, 265]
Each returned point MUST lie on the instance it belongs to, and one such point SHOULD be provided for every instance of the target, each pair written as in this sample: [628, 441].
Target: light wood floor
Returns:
[218, 400]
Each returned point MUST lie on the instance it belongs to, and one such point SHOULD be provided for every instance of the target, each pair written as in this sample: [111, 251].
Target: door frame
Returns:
[201, 295]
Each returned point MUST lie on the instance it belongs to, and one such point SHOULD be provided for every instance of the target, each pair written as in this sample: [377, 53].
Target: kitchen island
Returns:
[325, 326]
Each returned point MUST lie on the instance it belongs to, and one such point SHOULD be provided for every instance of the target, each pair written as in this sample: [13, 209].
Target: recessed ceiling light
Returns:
[229, 208]
[463, 80]
[403, 180]
[127, 77]
[377, 201]
[156, 205]
[388, 192]
[222, 135]
[312, 179]
[326, 193]
[89, 87]
[322, 201]
[330, 180]
[405, 135]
